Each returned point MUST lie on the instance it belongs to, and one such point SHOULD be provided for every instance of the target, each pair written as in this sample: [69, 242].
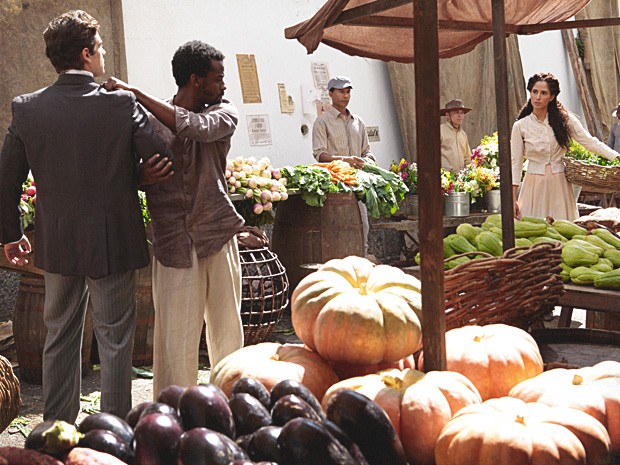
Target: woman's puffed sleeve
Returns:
[517, 152]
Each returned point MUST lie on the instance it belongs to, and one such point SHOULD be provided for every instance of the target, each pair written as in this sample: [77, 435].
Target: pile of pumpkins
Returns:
[589, 257]
[361, 325]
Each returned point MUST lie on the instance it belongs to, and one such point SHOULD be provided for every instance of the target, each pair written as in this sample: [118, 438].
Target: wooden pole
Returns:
[503, 123]
[592, 120]
[426, 62]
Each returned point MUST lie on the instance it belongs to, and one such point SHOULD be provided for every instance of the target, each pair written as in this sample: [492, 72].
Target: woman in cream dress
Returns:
[541, 135]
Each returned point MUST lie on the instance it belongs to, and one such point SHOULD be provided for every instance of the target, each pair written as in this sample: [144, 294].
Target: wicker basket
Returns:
[264, 293]
[593, 178]
[517, 288]
[9, 394]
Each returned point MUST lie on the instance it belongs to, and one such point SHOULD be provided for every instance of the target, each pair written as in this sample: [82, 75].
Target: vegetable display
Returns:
[284, 425]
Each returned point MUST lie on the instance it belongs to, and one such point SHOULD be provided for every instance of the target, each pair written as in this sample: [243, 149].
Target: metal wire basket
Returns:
[264, 293]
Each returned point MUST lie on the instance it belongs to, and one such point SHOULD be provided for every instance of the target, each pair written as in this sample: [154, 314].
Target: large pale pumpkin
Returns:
[353, 311]
[508, 431]
[270, 363]
[494, 357]
[419, 405]
[594, 390]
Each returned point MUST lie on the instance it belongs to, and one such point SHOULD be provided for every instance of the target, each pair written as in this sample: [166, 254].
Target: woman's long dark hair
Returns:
[558, 115]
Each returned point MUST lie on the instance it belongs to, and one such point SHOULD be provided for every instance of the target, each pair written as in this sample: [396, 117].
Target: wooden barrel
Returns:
[29, 330]
[303, 234]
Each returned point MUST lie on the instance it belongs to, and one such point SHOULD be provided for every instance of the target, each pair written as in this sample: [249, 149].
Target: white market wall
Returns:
[545, 52]
[155, 28]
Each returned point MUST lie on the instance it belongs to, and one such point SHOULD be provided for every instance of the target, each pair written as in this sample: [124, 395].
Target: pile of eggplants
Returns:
[200, 425]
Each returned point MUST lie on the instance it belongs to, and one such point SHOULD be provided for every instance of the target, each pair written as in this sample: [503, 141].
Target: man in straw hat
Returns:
[614, 132]
[455, 150]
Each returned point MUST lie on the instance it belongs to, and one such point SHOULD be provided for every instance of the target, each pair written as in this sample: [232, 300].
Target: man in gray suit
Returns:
[83, 145]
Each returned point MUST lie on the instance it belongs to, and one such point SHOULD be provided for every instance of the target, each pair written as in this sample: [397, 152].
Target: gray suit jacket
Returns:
[82, 144]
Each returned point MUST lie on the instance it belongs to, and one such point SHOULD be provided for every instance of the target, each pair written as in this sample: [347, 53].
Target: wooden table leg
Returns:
[565, 317]
[590, 319]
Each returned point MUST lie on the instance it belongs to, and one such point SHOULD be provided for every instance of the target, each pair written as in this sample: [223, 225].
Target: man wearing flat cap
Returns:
[614, 132]
[338, 134]
[455, 150]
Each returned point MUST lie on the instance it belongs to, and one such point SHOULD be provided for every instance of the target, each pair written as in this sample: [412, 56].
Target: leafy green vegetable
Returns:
[313, 182]
[578, 152]
[383, 190]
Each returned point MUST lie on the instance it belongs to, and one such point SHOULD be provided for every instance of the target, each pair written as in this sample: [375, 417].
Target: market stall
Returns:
[422, 32]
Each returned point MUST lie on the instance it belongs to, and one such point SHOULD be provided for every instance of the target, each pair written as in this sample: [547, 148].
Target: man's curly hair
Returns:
[193, 57]
[66, 36]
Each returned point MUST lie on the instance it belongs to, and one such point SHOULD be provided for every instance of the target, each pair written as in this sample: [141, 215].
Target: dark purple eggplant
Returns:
[215, 388]
[133, 415]
[367, 424]
[306, 442]
[346, 441]
[243, 441]
[35, 439]
[170, 395]
[202, 446]
[157, 436]
[253, 387]
[290, 386]
[239, 453]
[160, 407]
[248, 412]
[53, 437]
[109, 422]
[263, 444]
[106, 441]
[202, 406]
[291, 406]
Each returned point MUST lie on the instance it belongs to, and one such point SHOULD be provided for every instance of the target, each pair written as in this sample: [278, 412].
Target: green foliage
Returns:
[313, 182]
[579, 152]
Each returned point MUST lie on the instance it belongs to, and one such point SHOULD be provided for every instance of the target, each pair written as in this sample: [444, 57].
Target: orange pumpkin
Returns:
[270, 363]
[355, 312]
[593, 390]
[418, 405]
[508, 431]
[350, 370]
[494, 357]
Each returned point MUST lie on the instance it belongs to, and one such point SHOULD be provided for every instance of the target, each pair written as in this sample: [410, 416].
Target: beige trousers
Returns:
[183, 298]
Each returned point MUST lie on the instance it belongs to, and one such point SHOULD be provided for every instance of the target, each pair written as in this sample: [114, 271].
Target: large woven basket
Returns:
[9, 394]
[593, 178]
[517, 288]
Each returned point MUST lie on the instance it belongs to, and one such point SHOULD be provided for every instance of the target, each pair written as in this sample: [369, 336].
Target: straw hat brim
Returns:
[465, 109]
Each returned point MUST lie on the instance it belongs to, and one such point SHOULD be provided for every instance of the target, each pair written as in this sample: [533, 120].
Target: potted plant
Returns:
[408, 172]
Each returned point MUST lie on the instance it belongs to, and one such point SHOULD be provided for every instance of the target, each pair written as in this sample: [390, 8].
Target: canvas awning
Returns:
[383, 29]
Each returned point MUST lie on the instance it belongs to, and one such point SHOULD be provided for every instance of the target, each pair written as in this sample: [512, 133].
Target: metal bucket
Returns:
[409, 206]
[493, 200]
[457, 204]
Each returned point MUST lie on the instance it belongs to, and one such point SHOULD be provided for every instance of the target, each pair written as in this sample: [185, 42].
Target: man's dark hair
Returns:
[193, 57]
[66, 36]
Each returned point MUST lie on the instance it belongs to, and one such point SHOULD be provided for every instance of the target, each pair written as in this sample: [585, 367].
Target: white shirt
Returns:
[534, 140]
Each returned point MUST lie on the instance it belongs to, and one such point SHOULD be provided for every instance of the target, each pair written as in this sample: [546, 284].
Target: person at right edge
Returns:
[541, 134]
[196, 266]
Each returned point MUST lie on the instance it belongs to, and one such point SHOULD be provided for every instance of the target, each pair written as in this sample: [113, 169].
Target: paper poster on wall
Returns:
[248, 75]
[258, 130]
[287, 105]
[320, 75]
[373, 133]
